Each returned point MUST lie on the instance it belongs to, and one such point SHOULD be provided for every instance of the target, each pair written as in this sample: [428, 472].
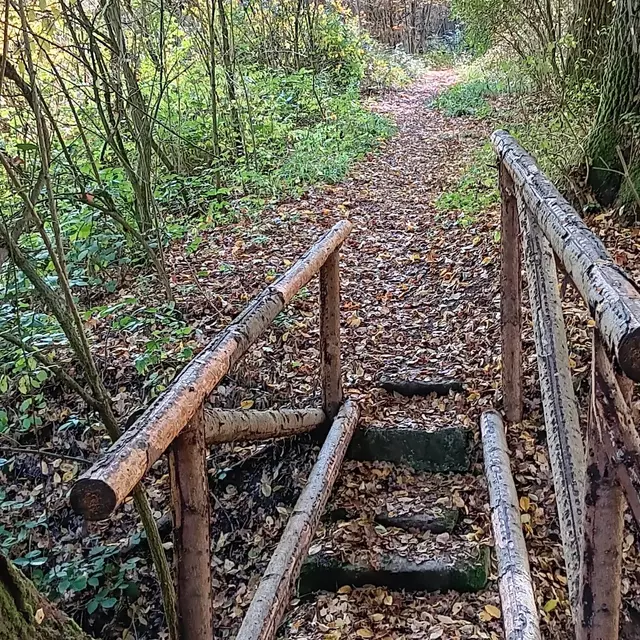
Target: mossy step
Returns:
[436, 521]
[464, 572]
[444, 450]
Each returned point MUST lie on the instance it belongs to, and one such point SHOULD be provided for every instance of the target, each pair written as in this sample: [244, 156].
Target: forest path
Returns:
[420, 285]
[419, 291]
[419, 288]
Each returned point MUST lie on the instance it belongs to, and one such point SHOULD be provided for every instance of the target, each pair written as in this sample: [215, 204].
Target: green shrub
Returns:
[466, 99]
[475, 192]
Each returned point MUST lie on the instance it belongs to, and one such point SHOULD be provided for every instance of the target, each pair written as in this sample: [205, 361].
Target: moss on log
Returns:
[26, 615]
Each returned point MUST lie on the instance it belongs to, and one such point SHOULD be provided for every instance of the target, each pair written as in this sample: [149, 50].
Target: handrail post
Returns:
[191, 521]
[330, 366]
[510, 298]
[601, 568]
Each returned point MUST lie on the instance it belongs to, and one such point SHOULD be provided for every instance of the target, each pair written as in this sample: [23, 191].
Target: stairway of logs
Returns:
[397, 518]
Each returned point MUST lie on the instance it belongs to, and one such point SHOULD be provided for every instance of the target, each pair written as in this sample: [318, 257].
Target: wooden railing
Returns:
[181, 423]
[596, 467]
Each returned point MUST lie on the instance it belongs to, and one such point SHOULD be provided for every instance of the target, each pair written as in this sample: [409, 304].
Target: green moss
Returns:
[436, 451]
[19, 602]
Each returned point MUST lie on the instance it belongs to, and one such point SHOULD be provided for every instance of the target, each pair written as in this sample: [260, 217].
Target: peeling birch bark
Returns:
[612, 297]
[110, 480]
[274, 591]
[519, 611]
[564, 437]
[601, 575]
[224, 425]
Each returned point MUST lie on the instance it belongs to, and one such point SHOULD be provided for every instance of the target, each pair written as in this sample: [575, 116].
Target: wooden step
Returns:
[460, 571]
[443, 450]
[401, 497]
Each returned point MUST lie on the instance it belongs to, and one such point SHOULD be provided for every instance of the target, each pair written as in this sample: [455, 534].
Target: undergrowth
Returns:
[476, 190]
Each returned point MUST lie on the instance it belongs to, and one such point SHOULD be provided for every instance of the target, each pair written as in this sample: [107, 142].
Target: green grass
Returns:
[475, 192]
[467, 99]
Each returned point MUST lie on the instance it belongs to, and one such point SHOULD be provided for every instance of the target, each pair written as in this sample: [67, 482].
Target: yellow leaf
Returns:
[364, 633]
[377, 617]
[525, 503]
[246, 404]
[345, 589]
[388, 600]
[550, 605]
[39, 616]
[493, 611]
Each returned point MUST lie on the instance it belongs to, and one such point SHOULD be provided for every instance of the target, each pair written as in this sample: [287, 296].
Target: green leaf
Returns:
[109, 603]
[92, 606]
[79, 583]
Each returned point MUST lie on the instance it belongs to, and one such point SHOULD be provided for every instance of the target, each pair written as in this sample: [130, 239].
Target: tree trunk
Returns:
[586, 60]
[612, 134]
[26, 615]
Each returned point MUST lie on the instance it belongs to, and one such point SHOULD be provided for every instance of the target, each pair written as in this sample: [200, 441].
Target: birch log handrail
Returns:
[612, 297]
[110, 480]
[182, 422]
[593, 468]
[519, 612]
[224, 425]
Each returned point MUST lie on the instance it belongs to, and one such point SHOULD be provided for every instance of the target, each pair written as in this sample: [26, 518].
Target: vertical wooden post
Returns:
[600, 576]
[191, 521]
[510, 298]
[330, 367]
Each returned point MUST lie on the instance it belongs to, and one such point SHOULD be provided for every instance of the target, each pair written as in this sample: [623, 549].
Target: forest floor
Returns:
[420, 298]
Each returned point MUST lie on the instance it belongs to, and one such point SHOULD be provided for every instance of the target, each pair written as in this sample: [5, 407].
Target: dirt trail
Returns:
[419, 299]
[433, 281]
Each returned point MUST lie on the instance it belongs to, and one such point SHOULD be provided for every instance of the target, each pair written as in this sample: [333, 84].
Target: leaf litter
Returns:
[420, 299]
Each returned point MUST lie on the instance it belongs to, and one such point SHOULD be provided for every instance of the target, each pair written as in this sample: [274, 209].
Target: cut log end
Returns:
[93, 499]
[629, 355]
